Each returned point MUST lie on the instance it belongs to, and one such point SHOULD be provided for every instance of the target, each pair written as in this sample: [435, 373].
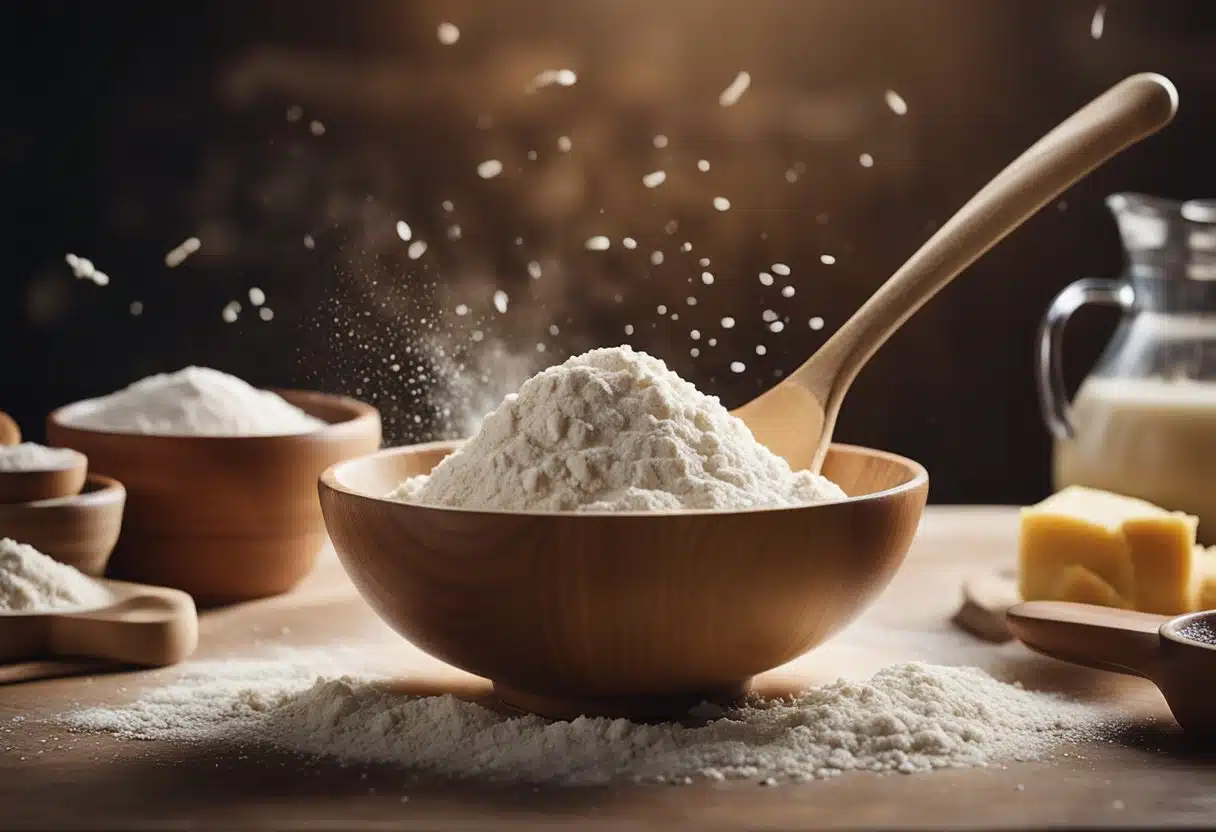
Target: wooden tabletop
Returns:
[1146, 776]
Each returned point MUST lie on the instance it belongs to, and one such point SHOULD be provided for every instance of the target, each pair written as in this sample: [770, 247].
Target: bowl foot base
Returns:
[637, 708]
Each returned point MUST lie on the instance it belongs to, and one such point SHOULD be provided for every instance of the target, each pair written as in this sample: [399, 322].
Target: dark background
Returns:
[128, 127]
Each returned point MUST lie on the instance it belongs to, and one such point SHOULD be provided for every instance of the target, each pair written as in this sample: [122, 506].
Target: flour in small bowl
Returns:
[30, 456]
[908, 718]
[195, 401]
[613, 430]
[33, 582]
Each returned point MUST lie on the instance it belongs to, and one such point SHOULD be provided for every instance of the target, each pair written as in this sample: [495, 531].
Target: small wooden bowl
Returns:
[224, 518]
[47, 484]
[639, 615]
[79, 530]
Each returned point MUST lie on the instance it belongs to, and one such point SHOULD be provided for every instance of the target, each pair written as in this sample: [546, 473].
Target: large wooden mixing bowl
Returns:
[640, 615]
[225, 518]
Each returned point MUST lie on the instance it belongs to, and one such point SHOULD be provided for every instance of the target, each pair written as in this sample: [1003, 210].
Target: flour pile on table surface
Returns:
[907, 718]
[32, 582]
[30, 456]
[195, 401]
[613, 430]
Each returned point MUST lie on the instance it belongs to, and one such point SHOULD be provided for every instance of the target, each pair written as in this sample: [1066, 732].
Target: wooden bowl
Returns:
[224, 518]
[79, 530]
[47, 484]
[639, 615]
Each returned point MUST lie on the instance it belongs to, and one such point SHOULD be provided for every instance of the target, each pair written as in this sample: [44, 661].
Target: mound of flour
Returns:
[32, 582]
[613, 430]
[30, 456]
[908, 718]
[195, 401]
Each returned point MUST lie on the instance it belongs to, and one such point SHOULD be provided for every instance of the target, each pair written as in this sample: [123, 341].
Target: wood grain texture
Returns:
[30, 486]
[796, 418]
[80, 531]
[621, 614]
[40, 669]
[224, 518]
[51, 779]
[145, 626]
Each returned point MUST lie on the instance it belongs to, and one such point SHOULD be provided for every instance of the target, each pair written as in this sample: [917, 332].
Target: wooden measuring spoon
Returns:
[1178, 655]
[146, 626]
[795, 419]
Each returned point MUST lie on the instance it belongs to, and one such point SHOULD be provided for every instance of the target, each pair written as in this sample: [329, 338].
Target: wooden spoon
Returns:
[146, 626]
[795, 419]
[1178, 655]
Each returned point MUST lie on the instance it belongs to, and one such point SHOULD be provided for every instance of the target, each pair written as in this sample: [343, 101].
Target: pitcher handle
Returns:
[1053, 398]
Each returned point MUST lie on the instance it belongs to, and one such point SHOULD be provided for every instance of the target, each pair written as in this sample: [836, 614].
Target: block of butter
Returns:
[1165, 571]
[1084, 587]
[1082, 544]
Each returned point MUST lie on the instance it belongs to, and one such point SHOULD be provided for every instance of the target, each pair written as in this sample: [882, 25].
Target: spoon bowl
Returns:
[620, 614]
[1177, 654]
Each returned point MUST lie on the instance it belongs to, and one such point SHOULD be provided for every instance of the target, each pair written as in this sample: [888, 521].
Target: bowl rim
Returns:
[1172, 628]
[359, 415]
[80, 460]
[109, 491]
[329, 480]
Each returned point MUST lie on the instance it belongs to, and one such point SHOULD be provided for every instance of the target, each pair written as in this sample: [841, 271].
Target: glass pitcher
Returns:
[1143, 423]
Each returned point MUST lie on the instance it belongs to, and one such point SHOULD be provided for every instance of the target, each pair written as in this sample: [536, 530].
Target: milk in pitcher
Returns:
[1152, 438]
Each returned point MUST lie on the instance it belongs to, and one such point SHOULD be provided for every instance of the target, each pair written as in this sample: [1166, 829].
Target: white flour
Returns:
[908, 718]
[32, 582]
[196, 401]
[30, 456]
[613, 430]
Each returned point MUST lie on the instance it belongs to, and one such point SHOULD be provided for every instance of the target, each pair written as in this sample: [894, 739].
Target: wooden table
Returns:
[1146, 776]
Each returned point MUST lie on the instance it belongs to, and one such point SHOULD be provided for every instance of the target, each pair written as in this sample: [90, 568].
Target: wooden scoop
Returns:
[146, 626]
[1178, 655]
[795, 419]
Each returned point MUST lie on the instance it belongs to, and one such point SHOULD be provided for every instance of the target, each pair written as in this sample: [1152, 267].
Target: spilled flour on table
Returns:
[908, 718]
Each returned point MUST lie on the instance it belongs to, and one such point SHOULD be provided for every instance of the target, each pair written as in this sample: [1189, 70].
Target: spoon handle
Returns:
[1121, 641]
[1131, 110]
[150, 630]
